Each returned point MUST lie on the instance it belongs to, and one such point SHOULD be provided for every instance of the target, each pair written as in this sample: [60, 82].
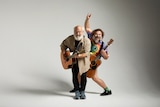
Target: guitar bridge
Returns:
[94, 67]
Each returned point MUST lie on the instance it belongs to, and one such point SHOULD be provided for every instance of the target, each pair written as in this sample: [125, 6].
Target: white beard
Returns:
[78, 38]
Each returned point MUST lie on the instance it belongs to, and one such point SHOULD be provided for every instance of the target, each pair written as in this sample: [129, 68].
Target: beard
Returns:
[96, 39]
[78, 38]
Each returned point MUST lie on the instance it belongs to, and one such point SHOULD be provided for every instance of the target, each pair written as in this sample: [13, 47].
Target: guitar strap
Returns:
[99, 55]
[77, 47]
[102, 45]
[74, 60]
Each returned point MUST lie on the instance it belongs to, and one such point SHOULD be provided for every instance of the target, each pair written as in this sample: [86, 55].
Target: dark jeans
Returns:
[77, 86]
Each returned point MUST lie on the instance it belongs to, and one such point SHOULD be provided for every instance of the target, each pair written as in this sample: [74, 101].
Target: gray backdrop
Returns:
[31, 74]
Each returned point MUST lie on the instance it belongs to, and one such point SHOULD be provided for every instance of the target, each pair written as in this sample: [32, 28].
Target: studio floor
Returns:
[42, 96]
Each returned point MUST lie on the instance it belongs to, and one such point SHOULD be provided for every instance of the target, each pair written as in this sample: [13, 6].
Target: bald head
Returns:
[78, 27]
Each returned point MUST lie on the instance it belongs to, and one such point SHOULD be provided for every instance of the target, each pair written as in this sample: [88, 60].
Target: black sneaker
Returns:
[72, 91]
[106, 93]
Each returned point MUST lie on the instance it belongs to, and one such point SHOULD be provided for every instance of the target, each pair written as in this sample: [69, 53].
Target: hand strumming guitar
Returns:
[79, 55]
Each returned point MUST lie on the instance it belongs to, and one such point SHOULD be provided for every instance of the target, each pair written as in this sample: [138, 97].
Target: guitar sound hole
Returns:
[94, 67]
[93, 63]
[67, 59]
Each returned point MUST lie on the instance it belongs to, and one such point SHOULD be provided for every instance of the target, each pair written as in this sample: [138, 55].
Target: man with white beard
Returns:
[80, 46]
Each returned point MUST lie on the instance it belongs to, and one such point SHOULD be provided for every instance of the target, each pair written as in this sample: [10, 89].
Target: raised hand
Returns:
[88, 16]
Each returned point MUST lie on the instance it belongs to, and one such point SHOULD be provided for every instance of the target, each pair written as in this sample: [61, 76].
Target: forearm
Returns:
[87, 24]
[82, 55]
[104, 54]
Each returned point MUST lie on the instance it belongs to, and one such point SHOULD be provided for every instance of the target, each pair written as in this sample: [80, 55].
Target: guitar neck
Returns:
[99, 55]
[106, 47]
[71, 56]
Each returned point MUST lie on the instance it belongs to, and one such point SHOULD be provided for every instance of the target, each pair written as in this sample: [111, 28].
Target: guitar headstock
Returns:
[110, 41]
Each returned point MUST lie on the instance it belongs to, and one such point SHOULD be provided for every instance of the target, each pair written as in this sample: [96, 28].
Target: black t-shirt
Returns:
[76, 43]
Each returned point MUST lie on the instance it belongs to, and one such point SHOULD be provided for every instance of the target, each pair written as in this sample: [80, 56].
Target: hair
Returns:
[94, 31]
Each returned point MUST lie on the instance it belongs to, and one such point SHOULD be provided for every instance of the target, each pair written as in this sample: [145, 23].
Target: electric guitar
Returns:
[95, 62]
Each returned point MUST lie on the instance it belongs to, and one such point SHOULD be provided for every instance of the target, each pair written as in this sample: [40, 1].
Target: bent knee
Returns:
[94, 78]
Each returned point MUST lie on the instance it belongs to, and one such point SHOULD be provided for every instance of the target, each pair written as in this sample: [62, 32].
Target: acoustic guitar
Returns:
[95, 62]
[67, 59]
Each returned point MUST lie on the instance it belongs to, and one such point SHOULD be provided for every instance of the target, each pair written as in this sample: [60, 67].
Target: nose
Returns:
[78, 34]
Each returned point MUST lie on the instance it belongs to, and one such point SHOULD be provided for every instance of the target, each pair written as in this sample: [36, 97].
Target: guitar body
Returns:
[66, 63]
[93, 66]
[95, 62]
[90, 73]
